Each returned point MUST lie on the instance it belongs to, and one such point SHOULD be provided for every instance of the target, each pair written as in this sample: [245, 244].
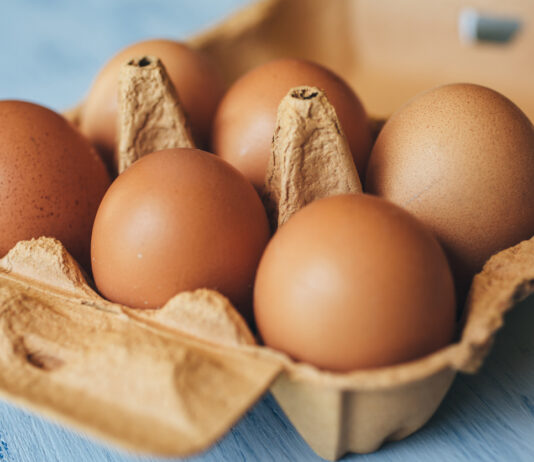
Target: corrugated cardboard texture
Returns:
[150, 114]
[68, 353]
[310, 156]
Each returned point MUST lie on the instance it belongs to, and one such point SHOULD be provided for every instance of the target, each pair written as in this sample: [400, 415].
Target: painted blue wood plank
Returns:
[50, 52]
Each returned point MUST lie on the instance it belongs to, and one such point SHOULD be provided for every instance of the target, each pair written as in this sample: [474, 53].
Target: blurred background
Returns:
[51, 51]
[390, 51]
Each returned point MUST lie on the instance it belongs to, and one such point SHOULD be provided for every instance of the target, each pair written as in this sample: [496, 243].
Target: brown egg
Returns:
[197, 81]
[51, 179]
[461, 159]
[353, 282]
[179, 219]
[245, 120]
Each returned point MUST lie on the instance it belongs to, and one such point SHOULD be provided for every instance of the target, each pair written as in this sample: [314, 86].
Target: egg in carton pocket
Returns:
[173, 380]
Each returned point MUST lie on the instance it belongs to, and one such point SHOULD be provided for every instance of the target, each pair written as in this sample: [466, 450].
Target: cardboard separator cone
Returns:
[151, 116]
[310, 156]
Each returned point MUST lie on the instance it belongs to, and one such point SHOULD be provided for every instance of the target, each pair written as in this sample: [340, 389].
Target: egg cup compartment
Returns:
[336, 421]
[172, 381]
[359, 411]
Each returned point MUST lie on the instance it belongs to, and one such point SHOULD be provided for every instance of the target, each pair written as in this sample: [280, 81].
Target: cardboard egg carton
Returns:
[173, 380]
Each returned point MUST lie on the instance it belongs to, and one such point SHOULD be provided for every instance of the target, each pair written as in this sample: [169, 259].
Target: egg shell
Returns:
[196, 80]
[461, 159]
[176, 220]
[246, 117]
[354, 282]
[51, 179]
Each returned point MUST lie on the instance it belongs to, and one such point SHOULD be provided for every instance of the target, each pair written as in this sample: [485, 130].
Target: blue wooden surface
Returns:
[49, 52]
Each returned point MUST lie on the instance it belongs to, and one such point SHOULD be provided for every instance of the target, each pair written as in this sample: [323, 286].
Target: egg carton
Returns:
[172, 381]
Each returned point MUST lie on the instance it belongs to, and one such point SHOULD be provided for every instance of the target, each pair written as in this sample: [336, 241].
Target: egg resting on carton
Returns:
[461, 159]
[177, 219]
[52, 179]
[354, 282]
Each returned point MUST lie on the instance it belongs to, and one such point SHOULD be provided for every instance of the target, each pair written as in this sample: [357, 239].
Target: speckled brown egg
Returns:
[176, 220]
[352, 282]
[51, 179]
[246, 117]
[196, 79]
[461, 159]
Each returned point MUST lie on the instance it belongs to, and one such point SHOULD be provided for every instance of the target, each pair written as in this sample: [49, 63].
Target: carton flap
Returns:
[68, 353]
